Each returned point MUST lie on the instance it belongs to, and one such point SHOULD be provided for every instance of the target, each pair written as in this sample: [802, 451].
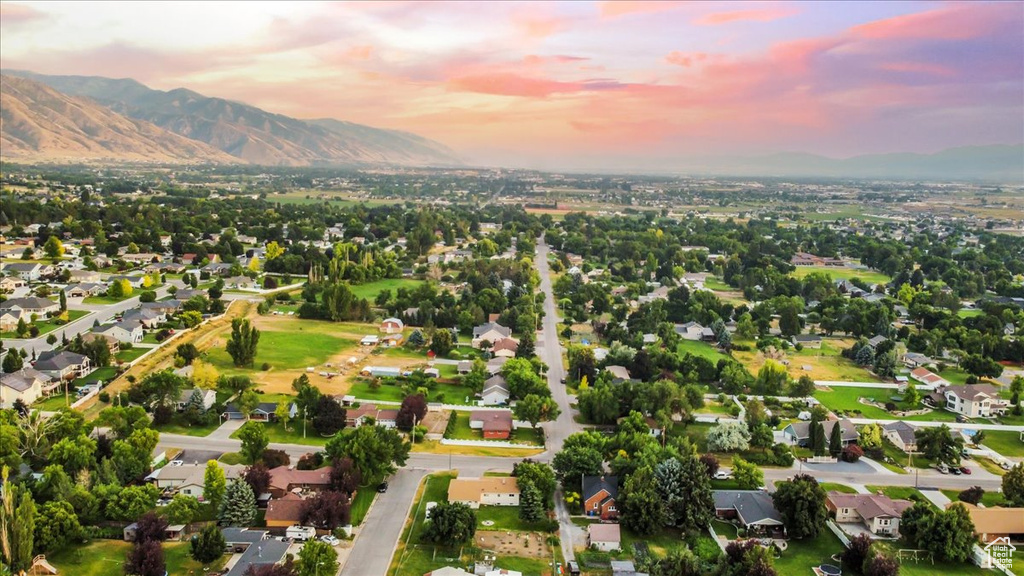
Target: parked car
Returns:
[965, 470]
[382, 487]
[956, 471]
[723, 475]
[942, 469]
[330, 540]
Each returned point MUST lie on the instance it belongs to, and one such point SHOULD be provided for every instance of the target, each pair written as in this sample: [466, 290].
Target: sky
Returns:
[573, 84]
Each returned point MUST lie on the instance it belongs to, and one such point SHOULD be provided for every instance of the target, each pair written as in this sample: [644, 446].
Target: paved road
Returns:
[383, 525]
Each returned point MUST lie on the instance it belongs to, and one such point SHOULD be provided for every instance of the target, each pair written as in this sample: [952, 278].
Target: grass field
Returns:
[847, 398]
[106, 558]
[409, 558]
[306, 343]
[130, 355]
[177, 425]
[869, 276]
[702, 349]
[925, 568]
[522, 435]
[103, 373]
[47, 325]
[277, 433]
[833, 487]
[104, 300]
[803, 555]
[1006, 442]
[898, 492]
[448, 393]
[826, 363]
[989, 499]
[371, 289]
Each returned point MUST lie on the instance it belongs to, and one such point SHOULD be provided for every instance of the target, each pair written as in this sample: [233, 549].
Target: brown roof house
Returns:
[284, 479]
[996, 522]
[284, 511]
[486, 491]
[493, 424]
[599, 494]
[878, 513]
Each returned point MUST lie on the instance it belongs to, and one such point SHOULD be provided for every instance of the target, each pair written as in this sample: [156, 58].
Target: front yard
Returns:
[522, 435]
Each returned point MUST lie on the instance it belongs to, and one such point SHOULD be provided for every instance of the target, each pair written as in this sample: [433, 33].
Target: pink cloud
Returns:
[918, 67]
[510, 84]
[954, 22]
[758, 15]
[615, 8]
[685, 59]
[18, 14]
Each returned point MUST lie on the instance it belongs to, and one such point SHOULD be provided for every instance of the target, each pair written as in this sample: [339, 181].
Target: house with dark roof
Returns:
[145, 316]
[751, 509]
[62, 365]
[799, 433]
[599, 494]
[877, 512]
[124, 331]
[256, 547]
[495, 391]
[264, 412]
[27, 385]
[901, 434]
[31, 305]
[808, 340]
[27, 271]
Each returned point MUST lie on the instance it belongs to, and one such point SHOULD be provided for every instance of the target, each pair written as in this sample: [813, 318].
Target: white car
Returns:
[723, 475]
[330, 540]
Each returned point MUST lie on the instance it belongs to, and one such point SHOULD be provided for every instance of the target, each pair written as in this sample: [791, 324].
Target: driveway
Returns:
[225, 430]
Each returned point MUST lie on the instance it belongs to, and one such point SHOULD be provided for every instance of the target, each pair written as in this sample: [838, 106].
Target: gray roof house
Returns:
[753, 509]
[799, 433]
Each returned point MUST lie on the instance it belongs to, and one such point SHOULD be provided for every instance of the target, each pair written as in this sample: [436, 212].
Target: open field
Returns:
[869, 276]
[702, 349]
[1006, 442]
[826, 363]
[435, 447]
[371, 289]
[803, 555]
[898, 492]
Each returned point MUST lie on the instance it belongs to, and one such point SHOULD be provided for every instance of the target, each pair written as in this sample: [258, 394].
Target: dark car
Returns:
[382, 487]
[955, 471]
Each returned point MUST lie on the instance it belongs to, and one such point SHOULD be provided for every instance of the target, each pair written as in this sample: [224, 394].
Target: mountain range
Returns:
[62, 117]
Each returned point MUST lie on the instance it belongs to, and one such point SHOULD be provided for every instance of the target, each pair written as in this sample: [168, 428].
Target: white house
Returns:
[124, 331]
[29, 272]
[495, 391]
[486, 491]
[24, 385]
[208, 397]
[604, 537]
[878, 513]
[491, 332]
[974, 400]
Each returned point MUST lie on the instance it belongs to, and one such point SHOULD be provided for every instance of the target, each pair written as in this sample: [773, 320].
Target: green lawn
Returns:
[131, 355]
[898, 492]
[504, 518]
[308, 343]
[1005, 442]
[177, 425]
[869, 276]
[54, 403]
[714, 283]
[697, 432]
[989, 499]
[965, 313]
[847, 398]
[416, 559]
[277, 433]
[954, 376]
[926, 568]
[150, 338]
[462, 431]
[448, 393]
[371, 289]
[104, 373]
[803, 555]
[104, 300]
[702, 349]
[231, 458]
[106, 558]
[713, 407]
[361, 503]
[725, 529]
[834, 487]
[49, 325]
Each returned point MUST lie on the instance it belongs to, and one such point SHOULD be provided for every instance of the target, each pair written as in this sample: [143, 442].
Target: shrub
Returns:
[265, 366]
[852, 453]
[971, 495]
[104, 397]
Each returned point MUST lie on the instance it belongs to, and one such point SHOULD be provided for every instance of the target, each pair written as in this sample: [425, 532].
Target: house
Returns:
[113, 344]
[874, 341]
[493, 424]
[9, 284]
[752, 509]
[690, 330]
[877, 512]
[392, 340]
[124, 331]
[464, 367]
[28, 272]
[915, 360]
[85, 289]
[599, 494]
[604, 537]
[926, 376]
[141, 258]
[624, 568]
[486, 491]
[9, 319]
[381, 372]
[495, 391]
[356, 417]
[619, 373]
[264, 412]
[371, 340]
[257, 548]
[506, 347]
[448, 571]
[490, 332]
[392, 326]
[495, 364]
[31, 305]
[991, 523]
[799, 433]
[207, 397]
[189, 477]
[808, 340]
[284, 511]
[62, 365]
[147, 317]
[974, 400]
[217, 268]
[285, 479]
[134, 281]
[25, 385]
[901, 434]
[387, 418]
[85, 276]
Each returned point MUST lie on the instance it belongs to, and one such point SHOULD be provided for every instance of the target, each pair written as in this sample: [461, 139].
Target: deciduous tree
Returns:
[243, 343]
[801, 503]
[451, 523]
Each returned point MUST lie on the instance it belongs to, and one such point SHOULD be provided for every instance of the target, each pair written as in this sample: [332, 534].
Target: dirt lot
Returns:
[526, 544]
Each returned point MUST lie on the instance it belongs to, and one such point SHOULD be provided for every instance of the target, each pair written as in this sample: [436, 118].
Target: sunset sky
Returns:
[572, 84]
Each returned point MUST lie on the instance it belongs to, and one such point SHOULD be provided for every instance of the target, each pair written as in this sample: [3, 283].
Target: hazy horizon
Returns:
[580, 86]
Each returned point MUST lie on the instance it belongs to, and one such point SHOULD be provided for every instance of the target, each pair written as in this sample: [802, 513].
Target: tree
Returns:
[880, 564]
[283, 413]
[273, 250]
[574, 462]
[771, 378]
[243, 342]
[531, 502]
[327, 509]
[74, 454]
[53, 248]
[937, 444]
[411, 412]
[204, 374]
[686, 490]
[710, 463]
[535, 409]
[817, 439]
[214, 484]
[63, 301]
[317, 558]
[239, 505]
[208, 545]
[56, 525]
[762, 437]
[145, 559]
[971, 495]
[870, 436]
[1013, 485]
[451, 523]
[119, 289]
[344, 476]
[13, 361]
[328, 416]
[835, 440]
[538, 474]
[728, 436]
[442, 343]
[247, 402]
[149, 526]
[254, 441]
[132, 502]
[257, 477]
[857, 552]
[803, 387]
[640, 503]
[747, 475]
[375, 451]
[949, 534]
[801, 503]
[182, 509]
[416, 339]
[17, 525]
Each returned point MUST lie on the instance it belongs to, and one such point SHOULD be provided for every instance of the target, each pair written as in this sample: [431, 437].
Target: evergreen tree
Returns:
[13, 361]
[818, 438]
[239, 505]
[531, 502]
[643, 511]
[63, 301]
[685, 488]
[416, 339]
[835, 440]
[208, 545]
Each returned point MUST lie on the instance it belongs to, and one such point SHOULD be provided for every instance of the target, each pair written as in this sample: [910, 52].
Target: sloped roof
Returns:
[287, 508]
[594, 484]
[471, 489]
[869, 505]
[752, 506]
